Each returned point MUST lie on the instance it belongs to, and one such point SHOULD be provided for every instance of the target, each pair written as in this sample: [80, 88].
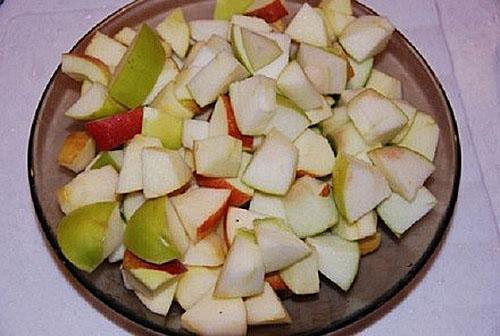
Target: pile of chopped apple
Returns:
[227, 161]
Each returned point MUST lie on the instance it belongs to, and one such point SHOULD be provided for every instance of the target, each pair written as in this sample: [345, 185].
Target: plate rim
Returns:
[349, 320]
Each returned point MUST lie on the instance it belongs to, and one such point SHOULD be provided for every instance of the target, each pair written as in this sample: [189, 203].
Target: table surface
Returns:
[459, 292]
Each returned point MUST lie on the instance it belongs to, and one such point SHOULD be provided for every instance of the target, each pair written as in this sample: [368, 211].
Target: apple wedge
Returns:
[163, 126]
[316, 156]
[384, 84]
[207, 252]
[251, 118]
[338, 259]
[309, 207]
[404, 169]
[218, 156]
[139, 68]
[194, 284]
[273, 166]
[288, 118]
[77, 151]
[85, 68]
[358, 187]
[423, 136]
[194, 130]
[278, 244]
[201, 209]
[131, 173]
[94, 104]
[269, 10]
[175, 31]
[302, 278]
[163, 171]
[125, 36]
[295, 85]
[214, 79]
[366, 36]
[89, 234]
[399, 214]
[266, 308]
[202, 30]
[267, 204]
[106, 49]
[216, 317]
[308, 26]
[243, 272]
[93, 186]
[377, 118]
[364, 227]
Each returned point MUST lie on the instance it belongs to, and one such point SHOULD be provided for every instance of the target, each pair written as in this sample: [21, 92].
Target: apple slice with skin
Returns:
[163, 126]
[163, 171]
[207, 252]
[194, 284]
[175, 30]
[88, 187]
[216, 317]
[89, 234]
[201, 209]
[295, 85]
[218, 156]
[243, 272]
[273, 166]
[288, 118]
[309, 207]
[370, 244]
[338, 259]
[131, 173]
[113, 131]
[358, 187]
[316, 157]
[77, 151]
[251, 118]
[364, 227]
[106, 49]
[138, 71]
[94, 104]
[202, 30]
[82, 67]
[384, 84]
[269, 10]
[404, 169]
[266, 204]
[302, 278]
[240, 192]
[308, 26]
[423, 136]
[266, 308]
[278, 244]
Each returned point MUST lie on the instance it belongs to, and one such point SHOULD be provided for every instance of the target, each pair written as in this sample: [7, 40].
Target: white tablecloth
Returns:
[459, 294]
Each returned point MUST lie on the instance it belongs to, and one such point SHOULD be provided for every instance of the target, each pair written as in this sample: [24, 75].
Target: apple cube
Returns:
[77, 151]
[295, 85]
[423, 136]
[384, 84]
[308, 26]
[194, 284]
[106, 49]
[302, 278]
[288, 118]
[85, 68]
[194, 130]
[163, 126]
[267, 204]
[316, 157]
[218, 156]
[266, 308]
[202, 30]
[364, 227]
[125, 36]
[207, 252]
[175, 31]
[92, 186]
[94, 104]
[273, 166]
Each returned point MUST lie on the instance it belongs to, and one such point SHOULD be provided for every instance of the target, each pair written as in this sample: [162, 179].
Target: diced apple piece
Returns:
[302, 278]
[131, 173]
[348, 140]
[423, 136]
[361, 71]
[273, 166]
[201, 209]
[168, 102]
[243, 272]
[131, 203]
[376, 117]
[202, 30]
[94, 104]
[163, 126]
[93, 186]
[410, 112]
[175, 31]
[399, 214]
[266, 308]
[219, 44]
[139, 68]
[254, 24]
[384, 84]
[309, 207]
[168, 73]
[370, 244]
[366, 36]
[269, 10]
[358, 187]
[194, 130]
[218, 156]
[340, 6]
[77, 151]
[207, 252]
[279, 246]
[181, 91]
[295, 85]
[266, 204]
[307, 26]
[288, 118]
[316, 157]
[125, 36]
[214, 79]
[362, 228]
[338, 119]
[213, 316]
[254, 102]
[226, 9]
[194, 284]
[274, 69]
[105, 158]
[319, 114]
[404, 169]
[337, 21]
[106, 49]
[338, 259]
[238, 218]
[160, 303]
[82, 67]
[347, 95]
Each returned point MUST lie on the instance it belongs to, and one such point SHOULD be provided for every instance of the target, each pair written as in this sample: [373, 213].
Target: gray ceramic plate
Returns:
[382, 274]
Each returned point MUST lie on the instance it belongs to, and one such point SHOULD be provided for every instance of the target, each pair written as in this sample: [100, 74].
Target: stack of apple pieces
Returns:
[236, 179]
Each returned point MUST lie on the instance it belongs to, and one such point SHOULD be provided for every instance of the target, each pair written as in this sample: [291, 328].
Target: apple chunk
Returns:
[202, 30]
[77, 151]
[94, 104]
[308, 26]
[288, 118]
[218, 156]
[238, 218]
[175, 31]
[269, 10]
[266, 308]
[302, 278]
[108, 50]
[82, 67]
[386, 85]
[207, 252]
[273, 69]
[364, 227]
[423, 136]
[194, 284]
[164, 126]
[316, 156]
